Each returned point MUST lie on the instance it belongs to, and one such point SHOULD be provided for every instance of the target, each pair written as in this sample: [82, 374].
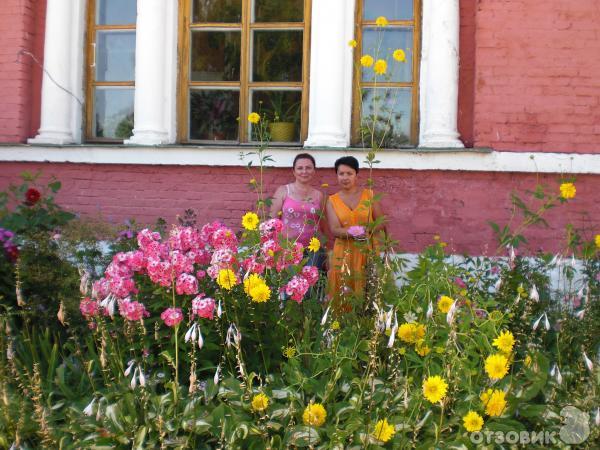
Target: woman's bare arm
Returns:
[277, 202]
[334, 223]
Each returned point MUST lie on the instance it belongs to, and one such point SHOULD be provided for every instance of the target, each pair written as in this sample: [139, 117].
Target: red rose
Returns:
[32, 196]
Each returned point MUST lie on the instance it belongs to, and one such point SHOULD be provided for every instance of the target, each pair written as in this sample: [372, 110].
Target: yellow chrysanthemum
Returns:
[495, 403]
[411, 332]
[289, 352]
[366, 61]
[402, 350]
[496, 366]
[314, 415]
[434, 388]
[473, 422]
[253, 117]
[421, 348]
[226, 279]
[260, 402]
[250, 221]
[567, 190]
[399, 55]
[381, 21]
[314, 245]
[252, 281]
[597, 240]
[527, 361]
[444, 304]
[485, 396]
[352, 43]
[335, 325]
[260, 293]
[504, 342]
[380, 67]
[383, 431]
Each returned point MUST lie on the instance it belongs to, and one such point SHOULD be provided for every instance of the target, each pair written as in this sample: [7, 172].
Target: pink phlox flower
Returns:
[186, 284]
[136, 261]
[145, 237]
[208, 229]
[203, 307]
[213, 271]
[100, 289]
[311, 274]
[118, 269]
[270, 229]
[223, 238]
[201, 274]
[251, 265]
[223, 257]
[132, 310]
[181, 263]
[89, 308]
[122, 287]
[296, 288]
[356, 230]
[460, 283]
[172, 316]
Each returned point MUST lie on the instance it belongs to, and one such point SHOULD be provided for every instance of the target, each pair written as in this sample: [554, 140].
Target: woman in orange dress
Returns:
[349, 211]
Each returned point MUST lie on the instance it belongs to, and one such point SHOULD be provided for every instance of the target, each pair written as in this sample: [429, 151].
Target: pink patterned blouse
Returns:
[300, 218]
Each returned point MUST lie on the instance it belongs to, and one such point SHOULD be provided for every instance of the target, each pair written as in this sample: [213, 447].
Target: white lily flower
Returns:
[588, 362]
[558, 376]
[217, 374]
[580, 294]
[534, 294]
[84, 282]
[555, 260]
[109, 304]
[573, 262]
[188, 333]
[580, 314]
[237, 337]
[553, 370]
[537, 322]
[546, 322]
[89, 409]
[129, 366]
[388, 319]
[324, 319]
[229, 335]
[511, 254]
[393, 332]
[141, 378]
[451, 313]
[133, 383]
[219, 309]
[429, 314]
[597, 418]
[200, 339]
[498, 284]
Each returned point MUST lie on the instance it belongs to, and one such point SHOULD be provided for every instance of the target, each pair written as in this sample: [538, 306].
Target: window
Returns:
[239, 56]
[110, 69]
[386, 106]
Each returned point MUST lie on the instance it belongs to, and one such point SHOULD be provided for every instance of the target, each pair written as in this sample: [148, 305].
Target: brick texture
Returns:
[419, 205]
[537, 78]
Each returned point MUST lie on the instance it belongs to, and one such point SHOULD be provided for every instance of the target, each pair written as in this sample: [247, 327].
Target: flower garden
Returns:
[202, 335]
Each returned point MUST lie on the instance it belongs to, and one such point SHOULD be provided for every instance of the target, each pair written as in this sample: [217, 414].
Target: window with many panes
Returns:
[110, 69]
[242, 56]
[386, 105]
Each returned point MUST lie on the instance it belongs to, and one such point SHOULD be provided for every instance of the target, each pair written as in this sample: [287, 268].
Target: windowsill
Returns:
[445, 159]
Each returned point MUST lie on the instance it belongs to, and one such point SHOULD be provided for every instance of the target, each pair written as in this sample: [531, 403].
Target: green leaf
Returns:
[301, 436]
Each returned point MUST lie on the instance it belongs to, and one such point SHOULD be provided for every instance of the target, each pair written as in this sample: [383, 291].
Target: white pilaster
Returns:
[62, 82]
[331, 70]
[155, 73]
[439, 75]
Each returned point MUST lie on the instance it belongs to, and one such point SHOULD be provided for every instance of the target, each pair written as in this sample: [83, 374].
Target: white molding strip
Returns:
[481, 160]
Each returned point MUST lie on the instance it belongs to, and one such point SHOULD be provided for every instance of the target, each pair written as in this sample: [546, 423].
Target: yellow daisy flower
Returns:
[434, 388]
[260, 402]
[260, 293]
[411, 332]
[383, 431]
[527, 361]
[444, 304]
[314, 415]
[504, 342]
[314, 245]
[289, 352]
[495, 404]
[381, 21]
[399, 55]
[352, 43]
[496, 366]
[335, 325]
[473, 422]
[251, 282]
[597, 240]
[421, 348]
[226, 279]
[380, 67]
[250, 221]
[567, 190]
[366, 61]
[253, 117]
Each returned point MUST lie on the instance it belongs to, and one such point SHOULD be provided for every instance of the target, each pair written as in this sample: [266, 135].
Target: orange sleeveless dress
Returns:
[349, 259]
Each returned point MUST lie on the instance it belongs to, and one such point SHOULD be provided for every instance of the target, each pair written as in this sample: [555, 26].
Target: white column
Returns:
[62, 82]
[439, 75]
[331, 69]
[155, 69]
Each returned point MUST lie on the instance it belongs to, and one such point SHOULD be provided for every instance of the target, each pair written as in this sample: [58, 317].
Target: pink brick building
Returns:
[137, 110]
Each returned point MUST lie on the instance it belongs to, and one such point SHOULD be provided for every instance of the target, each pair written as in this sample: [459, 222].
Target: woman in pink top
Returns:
[300, 206]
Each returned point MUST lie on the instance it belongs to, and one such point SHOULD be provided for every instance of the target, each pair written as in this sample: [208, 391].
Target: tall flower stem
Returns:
[176, 385]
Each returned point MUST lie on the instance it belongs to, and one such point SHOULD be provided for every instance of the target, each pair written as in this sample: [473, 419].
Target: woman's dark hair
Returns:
[349, 161]
[304, 156]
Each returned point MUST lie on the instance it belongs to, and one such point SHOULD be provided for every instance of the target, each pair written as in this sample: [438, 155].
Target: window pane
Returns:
[115, 56]
[277, 56]
[391, 9]
[214, 115]
[116, 12]
[224, 11]
[113, 113]
[382, 46]
[387, 113]
[282, 110]
[279, 11]
[215, 56]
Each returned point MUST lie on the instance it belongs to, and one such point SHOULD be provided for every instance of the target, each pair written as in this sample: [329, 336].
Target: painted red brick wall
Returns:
[419, 205]
[537, 81]
[21, 29]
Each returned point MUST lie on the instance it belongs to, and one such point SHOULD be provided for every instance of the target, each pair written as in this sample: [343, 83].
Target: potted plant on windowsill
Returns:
[283, 119]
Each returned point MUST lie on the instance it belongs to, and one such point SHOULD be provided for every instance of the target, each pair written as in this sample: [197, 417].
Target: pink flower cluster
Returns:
[89, 308]
[172, 316]
[132, 310]
[203, 307]
[297, 288]
[311, 274]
